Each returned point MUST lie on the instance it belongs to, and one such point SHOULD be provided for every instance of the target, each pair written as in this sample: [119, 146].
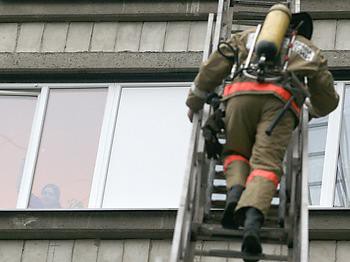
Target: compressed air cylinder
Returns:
[273, 31]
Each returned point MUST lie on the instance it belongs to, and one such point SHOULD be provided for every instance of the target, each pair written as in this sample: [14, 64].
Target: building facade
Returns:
[94, 131]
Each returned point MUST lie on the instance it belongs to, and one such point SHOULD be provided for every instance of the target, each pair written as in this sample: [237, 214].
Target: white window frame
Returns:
[106, 135]
[329, 174]
[37, 127]
[108, 128]
[32, 138]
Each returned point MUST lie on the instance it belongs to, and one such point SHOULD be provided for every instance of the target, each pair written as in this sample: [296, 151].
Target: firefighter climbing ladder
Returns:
[200, 207]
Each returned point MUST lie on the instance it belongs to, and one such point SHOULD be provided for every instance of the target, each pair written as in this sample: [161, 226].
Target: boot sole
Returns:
[227, 218]
[251, 245]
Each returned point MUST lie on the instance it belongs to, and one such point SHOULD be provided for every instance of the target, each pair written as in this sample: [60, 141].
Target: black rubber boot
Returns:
[251, 237]
[233, 197]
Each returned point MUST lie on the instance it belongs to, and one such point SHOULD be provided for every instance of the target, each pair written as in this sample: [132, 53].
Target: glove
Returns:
[212, 127]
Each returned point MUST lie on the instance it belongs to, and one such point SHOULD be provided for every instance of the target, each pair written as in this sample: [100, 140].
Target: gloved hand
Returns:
[212, 127]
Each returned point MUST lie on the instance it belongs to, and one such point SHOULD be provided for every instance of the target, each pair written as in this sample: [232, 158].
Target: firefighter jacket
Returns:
[305, 60]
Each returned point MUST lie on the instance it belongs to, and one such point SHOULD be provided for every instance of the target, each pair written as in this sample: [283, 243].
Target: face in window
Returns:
[50, 196]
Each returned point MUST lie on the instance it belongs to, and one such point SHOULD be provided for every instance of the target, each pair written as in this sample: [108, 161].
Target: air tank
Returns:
[273, 31]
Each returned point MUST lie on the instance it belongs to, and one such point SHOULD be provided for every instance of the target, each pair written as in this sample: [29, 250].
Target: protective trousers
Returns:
[251, 158]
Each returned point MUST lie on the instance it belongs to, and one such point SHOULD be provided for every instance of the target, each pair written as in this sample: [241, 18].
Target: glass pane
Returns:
[149, 152]
[314, 195]
[316, 149]
[320, 120]
[343, 171]
[317, 139]
[68, 148]
[16, 119]
[316, 168]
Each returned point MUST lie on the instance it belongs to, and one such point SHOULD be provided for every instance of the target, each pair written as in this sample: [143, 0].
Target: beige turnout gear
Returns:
[251, 158]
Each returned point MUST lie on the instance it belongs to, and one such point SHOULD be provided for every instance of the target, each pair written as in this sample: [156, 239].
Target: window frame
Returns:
[104, 150]
[329, 174]
[106, 143]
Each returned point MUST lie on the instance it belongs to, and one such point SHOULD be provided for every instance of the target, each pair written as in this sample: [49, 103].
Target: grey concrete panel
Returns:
[60, 251]
[177, 36]
[79, 36]
[35, 250]
[325, 6]
[321, 225]
[234, 246]
[273, 249]
[125, 10]
[100, 63]
[11, 251]
[128, 36]
[29, 39]
[160, 251]
[130, 253]
[152, 37]
[342, 35]
[343, 251]
[322, 251]
[104, 36]
[324, 34]
[85, 250]
[110, 251]
[338, 59]
[214, 245]
[197, 36]
[8, 37]
[54, 37]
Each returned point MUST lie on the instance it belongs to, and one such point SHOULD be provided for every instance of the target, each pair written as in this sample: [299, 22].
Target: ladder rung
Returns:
[269, 234]
[219, 175]
[238, 254]
[215, 218]
[221, 189]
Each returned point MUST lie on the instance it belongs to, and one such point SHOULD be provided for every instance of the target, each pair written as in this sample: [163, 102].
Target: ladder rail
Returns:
[304, 209]
[181, 236]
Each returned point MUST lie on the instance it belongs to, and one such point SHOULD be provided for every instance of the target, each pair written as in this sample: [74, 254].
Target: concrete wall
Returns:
[71, 37]
[101, 46]
[102, 10]
[137, 250]
[107, 250]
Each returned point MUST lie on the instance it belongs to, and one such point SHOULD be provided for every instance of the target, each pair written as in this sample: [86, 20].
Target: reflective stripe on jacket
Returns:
[240, 88]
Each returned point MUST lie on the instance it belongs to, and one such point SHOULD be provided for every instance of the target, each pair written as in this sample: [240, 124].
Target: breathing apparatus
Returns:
[264, 62]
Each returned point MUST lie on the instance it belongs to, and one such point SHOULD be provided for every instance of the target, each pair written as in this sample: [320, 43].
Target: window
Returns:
[149, 149]
[17, 112]
[93, 145]
[342, 197]
[68, 148]
[317, 146]
[329, 178]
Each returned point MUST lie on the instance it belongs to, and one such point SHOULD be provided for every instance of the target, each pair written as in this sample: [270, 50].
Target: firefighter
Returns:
[252, 159]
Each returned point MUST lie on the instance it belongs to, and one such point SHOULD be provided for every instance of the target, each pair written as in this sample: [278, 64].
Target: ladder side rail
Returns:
[291, 184]
[304, 208]
[181, 236]
[299, 198]
[202, 176]
[208, 177]
[218, 25]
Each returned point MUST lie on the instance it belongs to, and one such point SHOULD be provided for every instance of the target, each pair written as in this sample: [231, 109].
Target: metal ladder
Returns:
[198, 214]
